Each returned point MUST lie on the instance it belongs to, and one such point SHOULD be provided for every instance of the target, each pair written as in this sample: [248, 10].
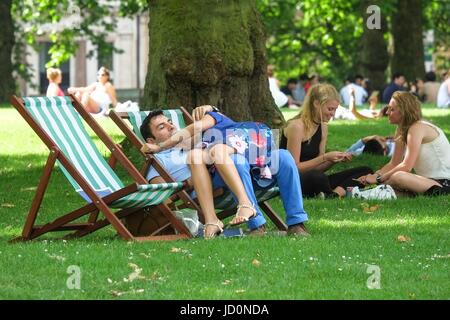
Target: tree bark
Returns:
[7, 84]
[209, 52]
[374, 53]
[408, 40]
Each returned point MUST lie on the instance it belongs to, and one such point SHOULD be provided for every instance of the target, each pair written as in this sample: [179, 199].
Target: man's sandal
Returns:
[245, 219]
[211, 235]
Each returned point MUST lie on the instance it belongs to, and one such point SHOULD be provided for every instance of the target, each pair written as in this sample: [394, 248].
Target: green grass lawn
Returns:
[331, 264]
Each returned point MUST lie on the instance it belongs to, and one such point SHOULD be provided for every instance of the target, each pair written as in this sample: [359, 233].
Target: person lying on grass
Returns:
[233, 167]
[374, 144]
[419, 145]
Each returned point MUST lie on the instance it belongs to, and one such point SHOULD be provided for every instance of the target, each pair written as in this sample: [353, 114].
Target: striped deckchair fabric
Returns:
[225, 202]
[136, 118]
[58, 122]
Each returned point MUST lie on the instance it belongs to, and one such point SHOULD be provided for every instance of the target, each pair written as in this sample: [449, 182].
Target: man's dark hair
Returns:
[397, 75]
[372, 146]
[359, 77]
[292, 80]
[430, 76]
[304, 77]
[145, 126]
[350, 79]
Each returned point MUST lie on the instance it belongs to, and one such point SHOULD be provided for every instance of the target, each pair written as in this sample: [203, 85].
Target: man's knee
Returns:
[220, 153]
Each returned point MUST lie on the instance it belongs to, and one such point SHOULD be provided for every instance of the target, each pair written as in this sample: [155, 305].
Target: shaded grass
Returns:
[331, 264]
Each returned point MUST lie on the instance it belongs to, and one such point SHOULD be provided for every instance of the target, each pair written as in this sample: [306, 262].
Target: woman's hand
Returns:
[337, 156]
[199, 112]
[150, 148]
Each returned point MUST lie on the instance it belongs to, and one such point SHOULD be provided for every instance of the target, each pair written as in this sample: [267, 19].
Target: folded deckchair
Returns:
[58, 122]
[223, 200]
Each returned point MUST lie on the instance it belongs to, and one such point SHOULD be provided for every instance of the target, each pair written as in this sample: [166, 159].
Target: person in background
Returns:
[360, 92]
[288, 90]
[99, 96]
[430, 89]
[315, 79]
[397, 84]
[299, 92]
[416, 88]
[443, 97]
[279, 97]
[375, 144]
[54, 77]
[367, 85]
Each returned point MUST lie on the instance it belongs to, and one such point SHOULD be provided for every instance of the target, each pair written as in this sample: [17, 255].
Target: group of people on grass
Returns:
[225, 156]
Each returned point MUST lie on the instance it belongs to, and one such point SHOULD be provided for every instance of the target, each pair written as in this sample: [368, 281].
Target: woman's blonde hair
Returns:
[322, 93]
[410, 111]
[53, 73]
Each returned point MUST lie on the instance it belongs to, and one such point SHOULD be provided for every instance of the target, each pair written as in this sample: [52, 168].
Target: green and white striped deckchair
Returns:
[58, 122]
[225, 202]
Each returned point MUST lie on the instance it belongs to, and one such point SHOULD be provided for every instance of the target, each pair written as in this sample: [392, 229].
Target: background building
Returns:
[128, 69]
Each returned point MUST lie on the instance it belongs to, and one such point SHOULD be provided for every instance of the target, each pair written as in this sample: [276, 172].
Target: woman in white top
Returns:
[443, 97]
[419, 145]
[97, 97]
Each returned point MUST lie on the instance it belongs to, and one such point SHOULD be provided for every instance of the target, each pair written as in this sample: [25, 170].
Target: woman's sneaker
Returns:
[381, 192]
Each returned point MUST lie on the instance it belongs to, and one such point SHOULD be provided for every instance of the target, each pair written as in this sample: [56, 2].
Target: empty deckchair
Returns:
[224, 201]
[57, 121]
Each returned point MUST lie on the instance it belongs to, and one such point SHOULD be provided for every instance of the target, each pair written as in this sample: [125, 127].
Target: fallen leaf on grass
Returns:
[175, 249]
[240, 291]
[256, 262]
[7, 205]
[371, 209]
[403, 238]
[136, 274]
[28, 189]
[354, 210]
[156, 276]
[119, 293]
[226, 282]
[54, 256]
[442, 257]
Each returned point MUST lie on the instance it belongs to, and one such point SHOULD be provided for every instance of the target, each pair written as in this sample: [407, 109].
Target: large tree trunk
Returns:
[408, 40]
[7, 85]
[374, 54]
[209, 52]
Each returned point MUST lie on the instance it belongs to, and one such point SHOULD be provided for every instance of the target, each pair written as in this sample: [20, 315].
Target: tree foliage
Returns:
[64, 22]
[326, 36]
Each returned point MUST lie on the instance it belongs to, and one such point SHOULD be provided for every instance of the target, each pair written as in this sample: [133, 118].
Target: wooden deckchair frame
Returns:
[98, 204]
[150, 160]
